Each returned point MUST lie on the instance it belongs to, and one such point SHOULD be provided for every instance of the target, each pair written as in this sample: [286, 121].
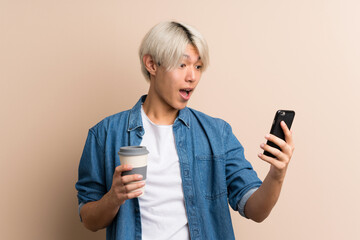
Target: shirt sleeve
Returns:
[240, 175]
[91, 174]
[243, 201]
[79, 209]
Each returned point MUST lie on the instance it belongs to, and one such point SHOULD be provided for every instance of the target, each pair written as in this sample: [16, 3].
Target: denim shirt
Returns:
[213, 169]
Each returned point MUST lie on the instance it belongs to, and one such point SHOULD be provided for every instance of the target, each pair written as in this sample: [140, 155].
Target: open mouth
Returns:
[185, 93]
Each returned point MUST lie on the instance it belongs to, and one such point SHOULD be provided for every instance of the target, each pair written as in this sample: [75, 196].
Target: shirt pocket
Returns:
[211, 170]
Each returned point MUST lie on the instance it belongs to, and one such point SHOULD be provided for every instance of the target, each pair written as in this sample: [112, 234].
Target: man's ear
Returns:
[150, 64]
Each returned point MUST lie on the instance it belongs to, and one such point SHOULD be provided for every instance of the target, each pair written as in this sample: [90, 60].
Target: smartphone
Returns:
[281, 115]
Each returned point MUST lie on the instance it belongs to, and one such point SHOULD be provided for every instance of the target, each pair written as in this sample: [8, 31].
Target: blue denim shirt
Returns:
[213, 168]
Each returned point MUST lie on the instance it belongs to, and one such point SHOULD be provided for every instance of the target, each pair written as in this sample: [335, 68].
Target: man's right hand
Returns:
[122, 189]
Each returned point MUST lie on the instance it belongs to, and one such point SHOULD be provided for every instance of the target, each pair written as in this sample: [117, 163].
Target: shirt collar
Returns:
[135, 120]
[184, 117]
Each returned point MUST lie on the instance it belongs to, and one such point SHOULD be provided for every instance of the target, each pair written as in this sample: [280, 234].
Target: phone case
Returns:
[281, 115]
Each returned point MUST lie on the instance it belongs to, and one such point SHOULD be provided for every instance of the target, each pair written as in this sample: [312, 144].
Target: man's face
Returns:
[175, 87]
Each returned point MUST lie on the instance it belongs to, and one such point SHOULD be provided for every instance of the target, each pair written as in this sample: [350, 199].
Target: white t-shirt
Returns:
[162, 207]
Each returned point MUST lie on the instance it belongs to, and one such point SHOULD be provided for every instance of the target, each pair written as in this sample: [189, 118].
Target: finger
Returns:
[276, 163]
[131, 178]
[121, 190]
[274, 151]
[285, 148]
[287, 133]
[122, 168]
[134, 194]
[134, 186]
[117, 177]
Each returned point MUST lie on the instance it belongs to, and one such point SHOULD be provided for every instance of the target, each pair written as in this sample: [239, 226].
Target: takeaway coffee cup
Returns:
[136, 156]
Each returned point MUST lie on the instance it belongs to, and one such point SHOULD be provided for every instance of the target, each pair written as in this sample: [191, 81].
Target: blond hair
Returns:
[166, 43]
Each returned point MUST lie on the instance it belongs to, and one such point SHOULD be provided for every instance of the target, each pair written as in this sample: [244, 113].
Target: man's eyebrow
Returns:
[187, 56]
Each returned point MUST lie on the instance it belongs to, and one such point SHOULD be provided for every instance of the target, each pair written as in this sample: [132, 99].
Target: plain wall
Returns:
[65, 65]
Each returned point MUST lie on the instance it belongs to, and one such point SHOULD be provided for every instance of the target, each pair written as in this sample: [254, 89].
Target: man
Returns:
[196, 166]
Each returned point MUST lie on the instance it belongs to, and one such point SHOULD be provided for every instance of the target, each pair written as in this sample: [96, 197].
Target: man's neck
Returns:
[159, 112]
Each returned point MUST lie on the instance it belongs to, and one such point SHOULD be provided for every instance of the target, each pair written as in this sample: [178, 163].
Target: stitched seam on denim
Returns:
[97, 140]
[225, 155]
[211, 158]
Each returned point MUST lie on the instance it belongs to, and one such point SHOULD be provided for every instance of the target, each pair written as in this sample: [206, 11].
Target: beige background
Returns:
[65, 65]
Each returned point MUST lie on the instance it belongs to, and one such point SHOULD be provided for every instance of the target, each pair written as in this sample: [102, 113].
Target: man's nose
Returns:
[190, 75]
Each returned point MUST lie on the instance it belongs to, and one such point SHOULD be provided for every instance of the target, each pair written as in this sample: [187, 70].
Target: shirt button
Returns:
[186, 173]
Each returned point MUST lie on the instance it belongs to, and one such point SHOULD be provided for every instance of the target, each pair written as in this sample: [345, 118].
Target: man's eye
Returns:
[198, 67]
[182, 65]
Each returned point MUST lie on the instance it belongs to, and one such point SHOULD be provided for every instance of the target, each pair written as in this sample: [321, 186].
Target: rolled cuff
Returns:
[80, 206]
[242, 202]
